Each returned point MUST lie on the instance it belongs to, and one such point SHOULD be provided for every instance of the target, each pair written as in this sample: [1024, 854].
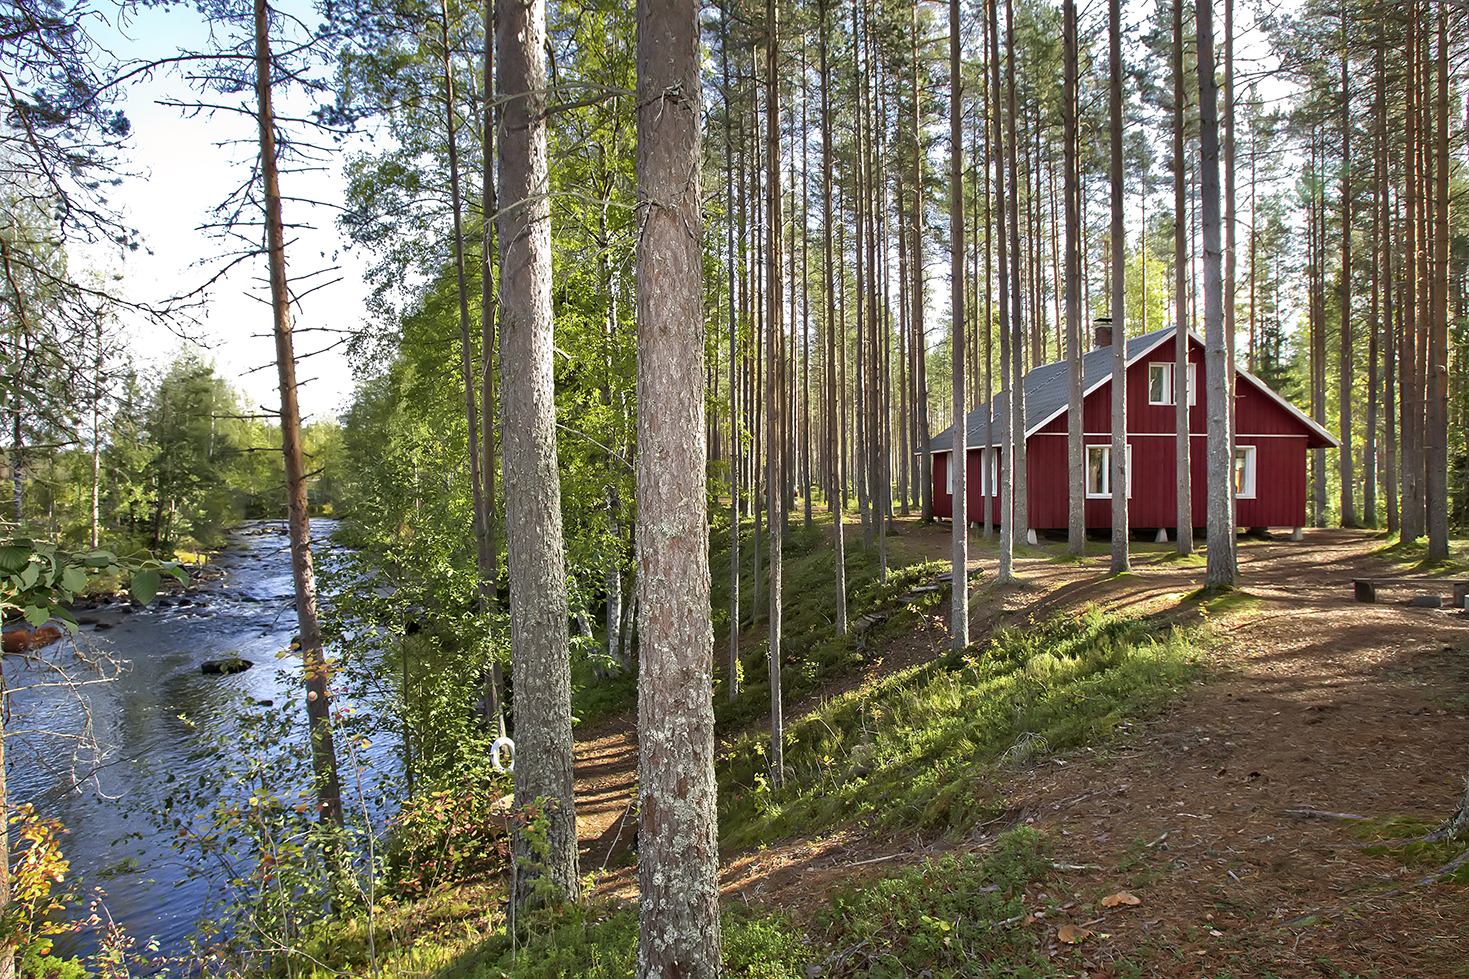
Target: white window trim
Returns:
[1106, 449]
[949, 474]
[1247, 491]
[1167, 371]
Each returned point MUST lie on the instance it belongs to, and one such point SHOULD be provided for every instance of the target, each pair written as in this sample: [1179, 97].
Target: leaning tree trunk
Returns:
[318, 707]
[466, 346]
[1221, 570]
[678, 862]
[540, 656]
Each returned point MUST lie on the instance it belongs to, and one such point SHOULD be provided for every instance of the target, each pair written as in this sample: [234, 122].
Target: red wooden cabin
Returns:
[1272, 437]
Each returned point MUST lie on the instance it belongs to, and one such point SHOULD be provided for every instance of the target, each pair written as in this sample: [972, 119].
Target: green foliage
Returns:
[601, 941]
[1414, 842]
[812, 651]
[180, 459]
[948, 917]
[447, 833]
[37, 579]
[249, 823]
[919, 749]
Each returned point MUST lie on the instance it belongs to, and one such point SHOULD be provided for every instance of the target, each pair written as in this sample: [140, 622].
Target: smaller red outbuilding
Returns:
[1272, 437]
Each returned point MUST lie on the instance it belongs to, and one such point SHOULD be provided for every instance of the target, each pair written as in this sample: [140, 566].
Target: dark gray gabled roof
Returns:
[1046, 394]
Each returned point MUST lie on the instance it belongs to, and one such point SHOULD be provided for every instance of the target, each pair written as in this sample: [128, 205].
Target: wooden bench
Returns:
[1366, 588]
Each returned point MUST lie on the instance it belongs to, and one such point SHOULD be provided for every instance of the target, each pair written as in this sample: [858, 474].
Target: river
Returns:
[158, 720]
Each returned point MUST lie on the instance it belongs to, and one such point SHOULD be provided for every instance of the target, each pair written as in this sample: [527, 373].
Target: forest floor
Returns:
[1238, 817]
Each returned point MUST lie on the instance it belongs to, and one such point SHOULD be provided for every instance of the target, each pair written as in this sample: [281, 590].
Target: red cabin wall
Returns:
[1280, 441]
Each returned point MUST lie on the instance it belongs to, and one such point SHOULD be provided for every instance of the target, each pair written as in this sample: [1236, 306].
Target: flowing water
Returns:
[158, 716]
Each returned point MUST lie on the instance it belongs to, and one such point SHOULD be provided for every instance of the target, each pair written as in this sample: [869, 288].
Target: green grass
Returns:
[1399, 839]
[812, 651]
[921, 749]
[1414, 554]
[944, 918]
[443, 937]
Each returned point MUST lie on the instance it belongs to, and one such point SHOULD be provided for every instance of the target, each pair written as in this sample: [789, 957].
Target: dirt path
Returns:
[1315, 704]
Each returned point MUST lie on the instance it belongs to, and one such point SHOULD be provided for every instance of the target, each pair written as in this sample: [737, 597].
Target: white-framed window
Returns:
[949, 471]
[994, 470]
[1160, 384]
[1099, 472]
[1244, 472]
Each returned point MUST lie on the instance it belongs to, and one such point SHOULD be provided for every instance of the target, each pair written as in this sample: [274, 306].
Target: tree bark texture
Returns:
[1005, 491]
[959, 613]
[1075, 448]
[313, 660]
[1119, 474]
[1183, 472]
[774, 411]
[678, 859]
[1221, 569]
[538, 613]
[834, 393]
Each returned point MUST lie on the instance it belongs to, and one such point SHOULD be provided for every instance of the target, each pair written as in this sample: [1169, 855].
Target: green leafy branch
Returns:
[39, 580]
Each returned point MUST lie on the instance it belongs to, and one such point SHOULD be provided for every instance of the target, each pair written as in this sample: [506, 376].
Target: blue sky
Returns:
[182, 166]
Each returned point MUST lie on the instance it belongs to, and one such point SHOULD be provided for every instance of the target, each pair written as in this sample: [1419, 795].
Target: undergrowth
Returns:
[1413, 842]
[955, 916]
[812, 651]
[919, 749]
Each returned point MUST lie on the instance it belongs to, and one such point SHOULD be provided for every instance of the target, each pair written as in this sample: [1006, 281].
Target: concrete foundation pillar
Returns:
[1162, 537]
[1030, 537]
[1296, 534]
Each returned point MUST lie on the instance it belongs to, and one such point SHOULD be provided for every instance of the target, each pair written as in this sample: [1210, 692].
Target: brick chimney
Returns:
[1103, 335]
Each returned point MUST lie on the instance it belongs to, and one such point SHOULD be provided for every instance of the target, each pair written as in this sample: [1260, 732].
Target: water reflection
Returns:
[157, 724]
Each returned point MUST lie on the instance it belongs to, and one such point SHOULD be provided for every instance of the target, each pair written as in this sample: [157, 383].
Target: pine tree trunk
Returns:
[1436, 438]
[1221, 570]
[678, 858]
[1019, 510]
[834, 391]
[1347, 354]
[774, 404]
[959, 613]
[538, 610]
[313, 660]
[1119, 471]
[1075, 449]
[1183, 439]
[1005, 492]
[1374, 326]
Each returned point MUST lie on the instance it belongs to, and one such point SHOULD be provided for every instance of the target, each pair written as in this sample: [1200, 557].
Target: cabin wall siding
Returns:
[1280, 441]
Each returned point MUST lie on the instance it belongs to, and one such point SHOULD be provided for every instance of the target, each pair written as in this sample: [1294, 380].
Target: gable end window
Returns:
[1160, 384]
